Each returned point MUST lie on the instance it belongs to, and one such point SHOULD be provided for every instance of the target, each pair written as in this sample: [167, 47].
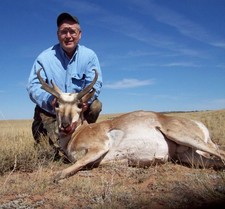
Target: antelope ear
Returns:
[88, 96]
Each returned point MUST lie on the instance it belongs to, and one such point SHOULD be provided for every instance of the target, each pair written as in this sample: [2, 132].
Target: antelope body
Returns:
[139, 138]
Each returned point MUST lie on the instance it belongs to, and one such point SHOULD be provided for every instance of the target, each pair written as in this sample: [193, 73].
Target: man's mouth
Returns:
[68, 42]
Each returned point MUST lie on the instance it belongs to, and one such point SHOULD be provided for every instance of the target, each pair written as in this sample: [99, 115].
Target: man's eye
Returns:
[72, 32]
[63, 32]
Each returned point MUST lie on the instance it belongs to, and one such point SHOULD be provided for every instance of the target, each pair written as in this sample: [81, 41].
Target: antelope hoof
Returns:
[58, 177]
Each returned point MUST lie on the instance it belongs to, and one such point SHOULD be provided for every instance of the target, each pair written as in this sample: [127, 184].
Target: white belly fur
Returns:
[140, 144]
[204, 130]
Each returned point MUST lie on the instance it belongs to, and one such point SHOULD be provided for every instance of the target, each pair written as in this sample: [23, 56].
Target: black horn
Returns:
[55, 91]
[89, 87]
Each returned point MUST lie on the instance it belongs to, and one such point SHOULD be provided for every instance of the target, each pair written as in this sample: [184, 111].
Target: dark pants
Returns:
[45, 124]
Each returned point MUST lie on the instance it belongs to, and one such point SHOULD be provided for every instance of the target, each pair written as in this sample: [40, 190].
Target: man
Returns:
[70, 66]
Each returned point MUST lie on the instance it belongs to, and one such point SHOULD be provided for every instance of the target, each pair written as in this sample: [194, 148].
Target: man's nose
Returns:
[68, 34]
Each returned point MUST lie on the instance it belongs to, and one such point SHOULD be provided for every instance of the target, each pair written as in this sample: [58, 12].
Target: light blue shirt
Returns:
[70, 75]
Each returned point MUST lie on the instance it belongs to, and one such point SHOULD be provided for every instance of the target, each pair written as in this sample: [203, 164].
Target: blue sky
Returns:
[156, 55]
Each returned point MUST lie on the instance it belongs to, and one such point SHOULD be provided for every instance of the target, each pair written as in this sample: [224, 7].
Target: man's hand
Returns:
[84, 106]
[54, 102]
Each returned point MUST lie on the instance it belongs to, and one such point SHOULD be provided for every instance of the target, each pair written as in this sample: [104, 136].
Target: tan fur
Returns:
[138, 138]
[91, 139]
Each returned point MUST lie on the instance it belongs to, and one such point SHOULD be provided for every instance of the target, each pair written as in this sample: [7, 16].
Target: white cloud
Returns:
[129, 83]
[221, 65]
[180, 64]
[140, 53]
[181, 23]
[219, 44]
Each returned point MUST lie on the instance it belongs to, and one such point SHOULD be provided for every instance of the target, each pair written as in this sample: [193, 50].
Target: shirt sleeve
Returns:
[90, 74]
[39, 96]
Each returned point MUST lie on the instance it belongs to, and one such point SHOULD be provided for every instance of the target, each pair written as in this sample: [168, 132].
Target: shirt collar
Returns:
[65, 55]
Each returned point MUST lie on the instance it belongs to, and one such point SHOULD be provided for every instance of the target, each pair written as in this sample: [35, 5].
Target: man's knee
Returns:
[38, 130]
[92, 113]
[44, 124]
[96, 106]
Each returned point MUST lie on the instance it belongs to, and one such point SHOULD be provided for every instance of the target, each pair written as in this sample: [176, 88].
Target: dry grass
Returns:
[26, 179]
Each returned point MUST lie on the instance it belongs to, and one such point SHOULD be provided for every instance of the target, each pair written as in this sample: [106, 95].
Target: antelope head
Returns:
[68, 106]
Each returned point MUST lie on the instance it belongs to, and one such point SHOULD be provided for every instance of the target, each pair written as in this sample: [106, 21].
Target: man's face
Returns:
[69, 34]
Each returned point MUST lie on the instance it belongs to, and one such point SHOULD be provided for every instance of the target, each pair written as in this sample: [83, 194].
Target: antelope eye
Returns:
[56, 104]
[80, 105]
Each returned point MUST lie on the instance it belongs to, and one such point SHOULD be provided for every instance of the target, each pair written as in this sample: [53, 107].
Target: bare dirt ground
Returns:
[116, 186]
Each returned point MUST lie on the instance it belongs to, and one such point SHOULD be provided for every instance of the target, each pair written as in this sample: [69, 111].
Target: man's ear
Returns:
[88, 96]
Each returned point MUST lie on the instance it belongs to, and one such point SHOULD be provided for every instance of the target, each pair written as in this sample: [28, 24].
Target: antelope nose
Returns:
[65, 125]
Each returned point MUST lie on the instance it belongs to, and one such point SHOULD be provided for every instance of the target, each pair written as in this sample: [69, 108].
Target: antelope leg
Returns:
[94, 155]
[190, 139]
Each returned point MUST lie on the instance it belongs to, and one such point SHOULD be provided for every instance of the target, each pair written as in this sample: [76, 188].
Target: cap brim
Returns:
[66, 16]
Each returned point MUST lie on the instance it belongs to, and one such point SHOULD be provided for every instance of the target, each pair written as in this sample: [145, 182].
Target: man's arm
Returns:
[40, 97]
[90, 74]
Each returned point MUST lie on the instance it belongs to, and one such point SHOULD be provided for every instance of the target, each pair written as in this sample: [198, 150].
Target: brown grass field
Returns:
[26, 177]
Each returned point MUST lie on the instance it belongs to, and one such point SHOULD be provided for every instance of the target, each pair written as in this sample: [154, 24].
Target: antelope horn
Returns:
[89, 87]
[55, 91]
[88, 96]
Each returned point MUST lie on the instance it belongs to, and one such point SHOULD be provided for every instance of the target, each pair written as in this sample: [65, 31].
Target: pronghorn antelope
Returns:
[139, 138]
